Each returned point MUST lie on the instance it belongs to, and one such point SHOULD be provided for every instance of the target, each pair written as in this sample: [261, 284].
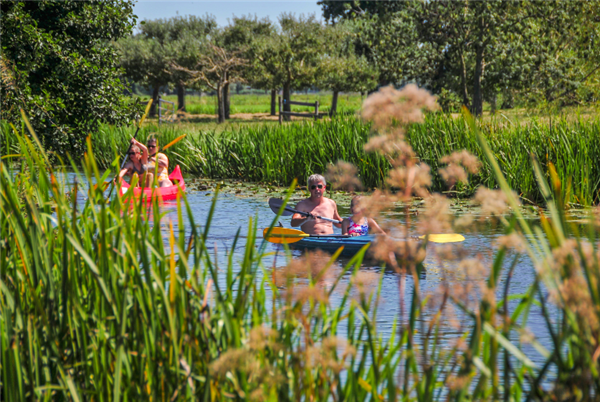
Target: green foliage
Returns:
[94, 301]
[147, 57]
[279, 154]
[99, 301]
[340, 69]
[58, 65]
[548, 50]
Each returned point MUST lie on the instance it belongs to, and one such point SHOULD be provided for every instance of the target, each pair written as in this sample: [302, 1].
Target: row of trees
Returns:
[62, 62]
[464, 51]
[472, 50]
[295, 54]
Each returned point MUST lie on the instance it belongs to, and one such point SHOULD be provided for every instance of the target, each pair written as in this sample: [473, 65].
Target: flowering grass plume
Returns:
[343, 176]
[458, 164]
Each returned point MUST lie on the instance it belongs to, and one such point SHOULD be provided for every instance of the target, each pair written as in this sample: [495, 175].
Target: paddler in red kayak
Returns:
[163, 163]
[137, 164]
[316, 205]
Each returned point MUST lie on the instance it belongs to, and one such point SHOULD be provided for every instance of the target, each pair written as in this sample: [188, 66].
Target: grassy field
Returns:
[250, 104]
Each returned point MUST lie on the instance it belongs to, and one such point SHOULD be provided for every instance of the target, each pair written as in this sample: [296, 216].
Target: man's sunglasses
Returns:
[151, 146]
[319, 186]
[132, 153]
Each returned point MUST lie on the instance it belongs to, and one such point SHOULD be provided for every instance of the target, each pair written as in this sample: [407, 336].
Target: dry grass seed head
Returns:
[262, 337]
[451, 252]
[453, 174]
[383, 144]
[312, 294]
[372, 205]
[416, 177]
[404, 106]
[231, 360]
[325, 355]
[436, 216]
[405, 254]
[365, 282]
[464, 221]
[513, 241]
[456, 383]
[493, 202]
[343, 176]
[464, 158]
[312, 264]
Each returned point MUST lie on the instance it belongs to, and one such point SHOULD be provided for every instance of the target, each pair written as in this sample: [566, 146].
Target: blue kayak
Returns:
[351, 244]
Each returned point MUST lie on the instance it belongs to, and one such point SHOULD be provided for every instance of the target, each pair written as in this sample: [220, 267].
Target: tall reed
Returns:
[98, 303]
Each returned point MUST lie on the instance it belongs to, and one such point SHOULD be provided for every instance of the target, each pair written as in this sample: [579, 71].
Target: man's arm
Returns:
[336, 216]
[300, 219]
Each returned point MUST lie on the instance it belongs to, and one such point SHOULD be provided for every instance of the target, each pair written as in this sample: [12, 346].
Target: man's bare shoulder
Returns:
[304, 205]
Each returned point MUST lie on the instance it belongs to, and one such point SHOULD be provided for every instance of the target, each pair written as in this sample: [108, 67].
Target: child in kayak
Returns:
[358, 224]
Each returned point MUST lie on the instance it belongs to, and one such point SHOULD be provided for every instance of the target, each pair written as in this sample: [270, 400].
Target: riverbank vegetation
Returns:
[101, 301]
[274, 154]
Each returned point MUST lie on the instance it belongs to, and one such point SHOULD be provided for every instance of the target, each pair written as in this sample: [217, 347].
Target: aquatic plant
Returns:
[274, 154]
[99, 301]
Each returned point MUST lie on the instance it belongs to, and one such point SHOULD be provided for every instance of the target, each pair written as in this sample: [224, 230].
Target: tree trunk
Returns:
[477, 107]
[463, 81]
[226, 101]
[180, 97]
[154, 101]
[286, 99]
[334, 100]
[220, 105]
[273, 102]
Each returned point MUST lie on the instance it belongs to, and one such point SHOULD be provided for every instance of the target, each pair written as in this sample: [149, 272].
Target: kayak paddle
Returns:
[285, 235]
[276, 203]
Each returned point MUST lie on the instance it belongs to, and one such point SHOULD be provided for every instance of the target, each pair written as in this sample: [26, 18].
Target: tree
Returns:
[246, 34]
[61, 69]
[565, 49]
[293, 55]
[145, 61]
[147, 56]
[477, 48]
[341, 69]
[214, 69]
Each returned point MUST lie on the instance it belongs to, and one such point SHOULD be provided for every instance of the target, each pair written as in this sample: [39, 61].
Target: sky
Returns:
[224, 10]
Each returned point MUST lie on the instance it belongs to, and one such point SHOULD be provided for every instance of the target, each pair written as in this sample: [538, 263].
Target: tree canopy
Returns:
[59, 66]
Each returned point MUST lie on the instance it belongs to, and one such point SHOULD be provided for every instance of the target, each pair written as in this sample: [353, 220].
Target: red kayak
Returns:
[162, 193]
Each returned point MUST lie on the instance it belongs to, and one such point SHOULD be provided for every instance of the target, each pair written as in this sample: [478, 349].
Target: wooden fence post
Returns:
[279, 97]
[159, 111]
[316, 110]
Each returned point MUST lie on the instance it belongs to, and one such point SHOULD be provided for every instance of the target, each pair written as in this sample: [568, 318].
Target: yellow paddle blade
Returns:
[444, 238]
[284, 235]
[145, 113]
[175, 141]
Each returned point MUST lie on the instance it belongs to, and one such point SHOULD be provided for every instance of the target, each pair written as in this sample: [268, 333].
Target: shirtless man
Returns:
[316, 205]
